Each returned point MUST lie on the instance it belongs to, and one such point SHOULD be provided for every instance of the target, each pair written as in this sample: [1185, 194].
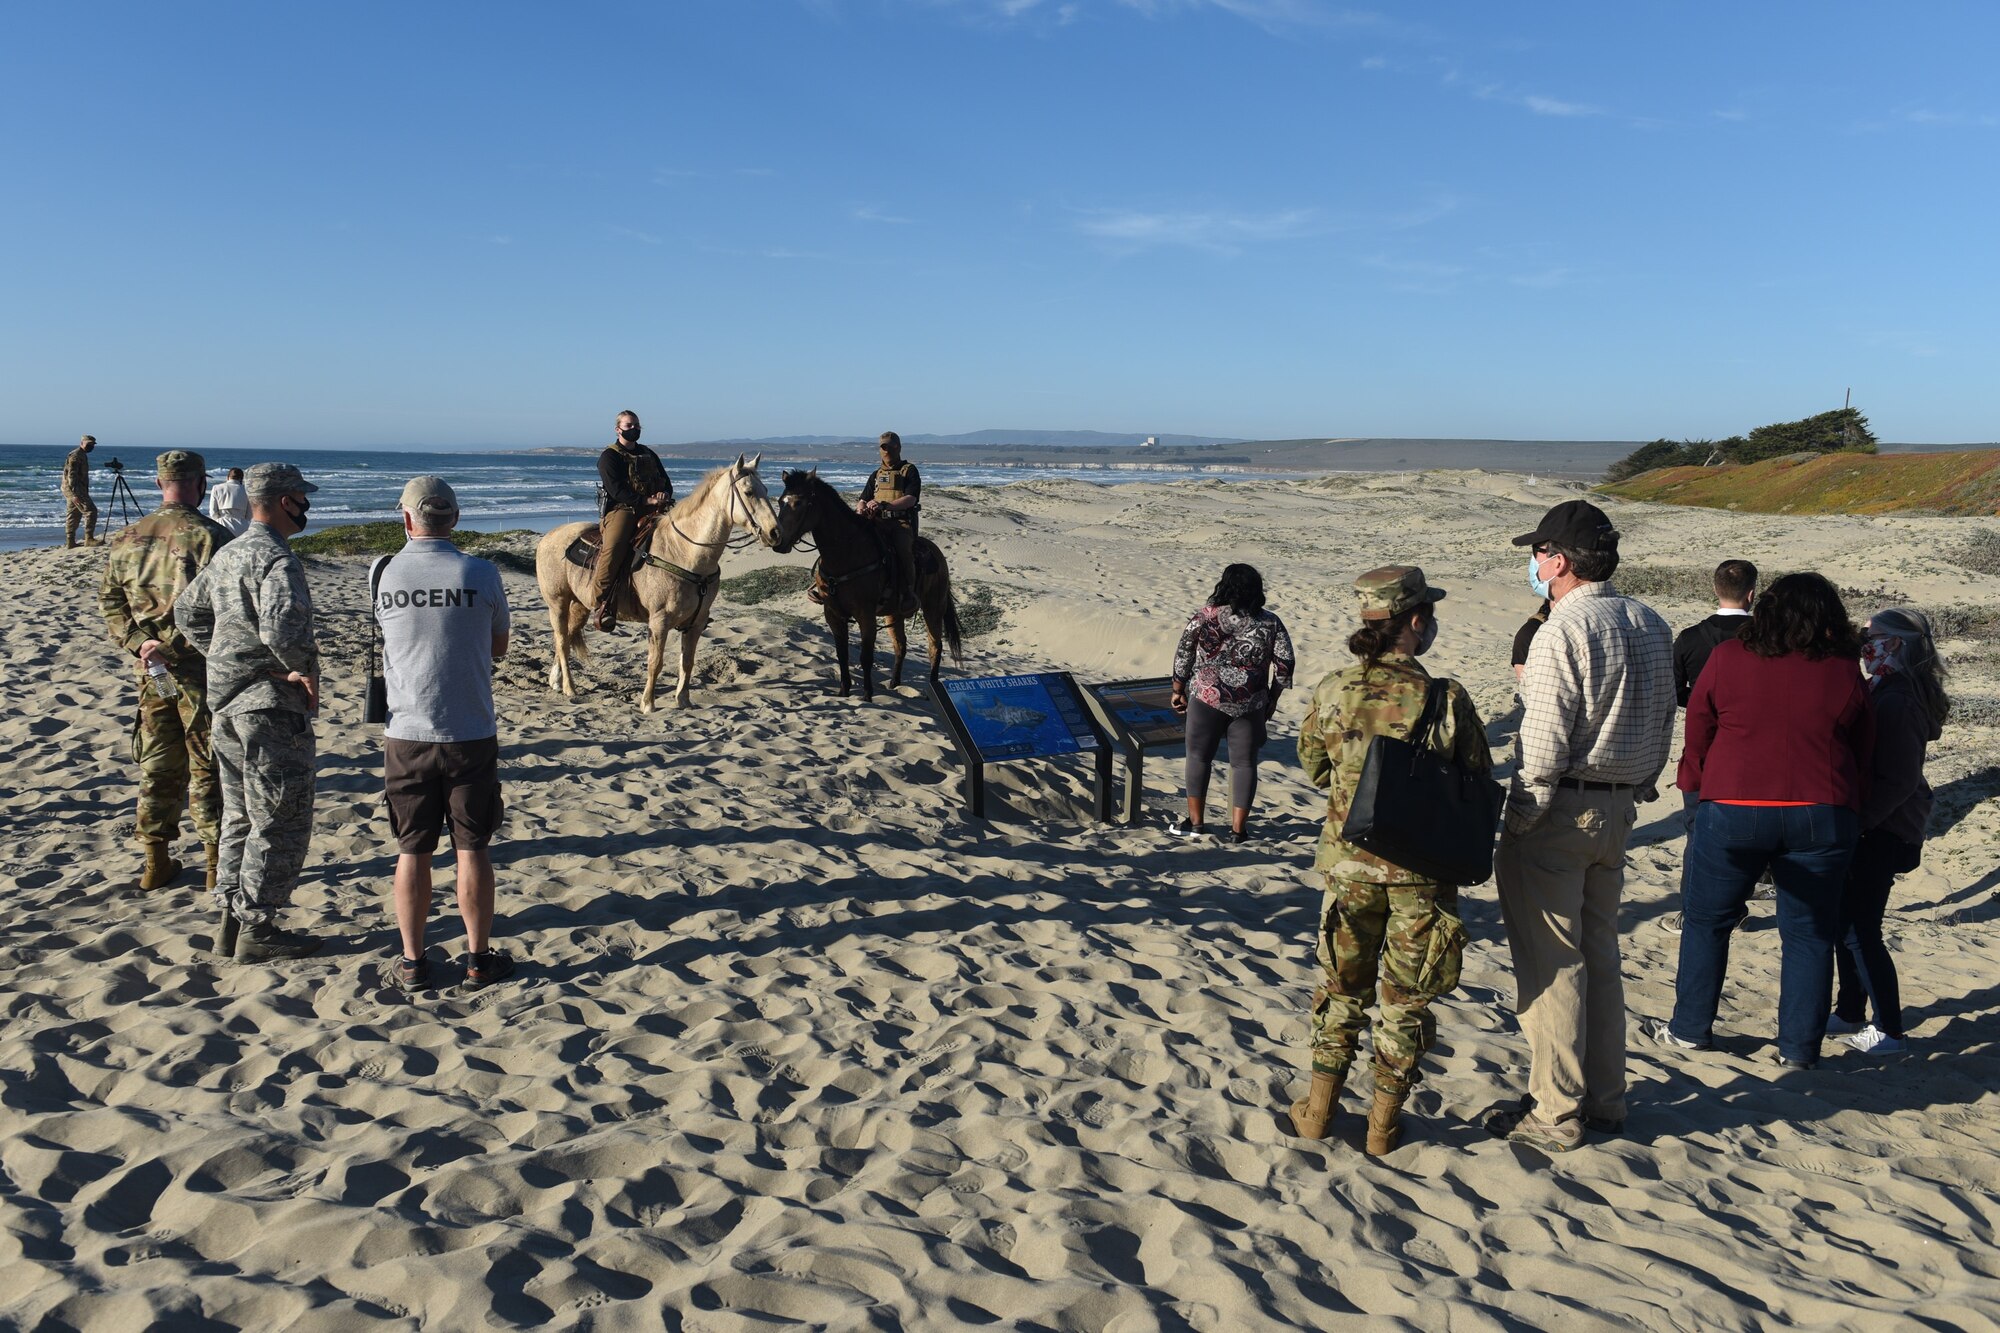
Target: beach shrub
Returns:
[762, 585]
[1979, 553]
[386, 538]
[1689, 583]
[979, 611]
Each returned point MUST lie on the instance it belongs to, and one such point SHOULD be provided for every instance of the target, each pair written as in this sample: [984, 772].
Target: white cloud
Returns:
[1217, 232]
[643, 237]
[1947, 119]
[1550, 106]
[869, 213]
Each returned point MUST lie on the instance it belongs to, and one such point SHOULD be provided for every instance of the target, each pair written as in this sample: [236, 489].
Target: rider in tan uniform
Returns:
[634, 482]
[890, 495]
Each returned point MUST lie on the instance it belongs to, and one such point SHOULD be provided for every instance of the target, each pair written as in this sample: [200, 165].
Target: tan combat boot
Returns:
[161, 868]
[1385, 1123]
[214, 858]
[1311, 1117]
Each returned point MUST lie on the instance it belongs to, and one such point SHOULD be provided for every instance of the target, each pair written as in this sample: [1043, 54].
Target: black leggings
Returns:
[1205, 727]
[1865, 969]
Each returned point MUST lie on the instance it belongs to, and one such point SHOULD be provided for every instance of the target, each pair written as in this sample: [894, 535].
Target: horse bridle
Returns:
[749, 521]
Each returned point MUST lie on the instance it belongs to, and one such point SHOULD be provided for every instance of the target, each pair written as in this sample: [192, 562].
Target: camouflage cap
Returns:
[269, 479]
[178, 464]
[1393, 589]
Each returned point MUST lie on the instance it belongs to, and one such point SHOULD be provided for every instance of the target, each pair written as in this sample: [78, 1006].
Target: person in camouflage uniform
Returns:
[251, 615]
[151, 561]
[1380, 925]
[78, 507]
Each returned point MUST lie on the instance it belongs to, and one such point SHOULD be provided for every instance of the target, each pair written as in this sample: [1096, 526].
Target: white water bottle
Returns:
[163, 681]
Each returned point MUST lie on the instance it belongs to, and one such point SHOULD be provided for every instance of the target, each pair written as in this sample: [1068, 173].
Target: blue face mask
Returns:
[1535, 580]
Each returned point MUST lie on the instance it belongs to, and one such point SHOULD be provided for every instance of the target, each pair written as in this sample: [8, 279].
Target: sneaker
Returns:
[1181, 828]
[1672, 923]
[1661, 1033]
[1872, 1039]
[1836, 1026]
[1559, 1137]
[1239, 836]
[1604, 1124]
[483, 969]
[1786, 1061]
[410, 974]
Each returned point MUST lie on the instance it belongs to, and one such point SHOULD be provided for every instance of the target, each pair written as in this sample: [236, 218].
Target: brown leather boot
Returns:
[214, 857]
[1385, 1122]
[1311, 1117]
[160, 867]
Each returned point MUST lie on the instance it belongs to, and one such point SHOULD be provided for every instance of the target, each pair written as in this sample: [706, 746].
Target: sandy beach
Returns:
[797, 1043]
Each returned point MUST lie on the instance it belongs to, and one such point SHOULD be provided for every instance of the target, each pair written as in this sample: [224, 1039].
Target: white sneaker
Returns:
[1836, 1026]
[1873, 1040]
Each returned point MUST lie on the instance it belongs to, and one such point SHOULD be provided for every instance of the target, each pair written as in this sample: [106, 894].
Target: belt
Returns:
[1584, 784]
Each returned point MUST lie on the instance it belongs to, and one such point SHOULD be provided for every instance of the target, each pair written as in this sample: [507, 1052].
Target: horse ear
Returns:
[739, 462]
[814, 474]
[755, 459]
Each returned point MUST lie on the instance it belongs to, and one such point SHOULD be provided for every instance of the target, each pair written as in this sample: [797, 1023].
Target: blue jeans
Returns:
[1807, 849]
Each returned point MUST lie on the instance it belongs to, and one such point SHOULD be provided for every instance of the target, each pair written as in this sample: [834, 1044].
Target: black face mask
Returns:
[300, 517]
[629, 436]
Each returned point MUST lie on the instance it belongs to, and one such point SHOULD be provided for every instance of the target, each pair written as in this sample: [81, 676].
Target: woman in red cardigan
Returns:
[1780, 731]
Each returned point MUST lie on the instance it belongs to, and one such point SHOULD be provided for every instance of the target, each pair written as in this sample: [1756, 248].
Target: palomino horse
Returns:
[673, 579]
[852, 571]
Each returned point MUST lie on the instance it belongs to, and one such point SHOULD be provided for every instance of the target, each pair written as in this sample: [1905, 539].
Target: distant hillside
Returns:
[1034, 439]
[1944, 483]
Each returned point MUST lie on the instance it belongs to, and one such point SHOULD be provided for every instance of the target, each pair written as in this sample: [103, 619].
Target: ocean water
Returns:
[495, 490]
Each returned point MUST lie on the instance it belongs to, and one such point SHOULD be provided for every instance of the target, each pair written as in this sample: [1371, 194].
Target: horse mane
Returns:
[702, 488]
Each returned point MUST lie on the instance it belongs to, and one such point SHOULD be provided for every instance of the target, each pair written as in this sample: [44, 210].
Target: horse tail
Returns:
[948, 618]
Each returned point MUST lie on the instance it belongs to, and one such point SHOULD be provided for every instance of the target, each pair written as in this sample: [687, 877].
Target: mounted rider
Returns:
[890, 496]
[634, 483]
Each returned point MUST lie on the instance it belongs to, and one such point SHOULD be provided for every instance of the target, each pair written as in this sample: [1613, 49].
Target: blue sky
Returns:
[435, 224]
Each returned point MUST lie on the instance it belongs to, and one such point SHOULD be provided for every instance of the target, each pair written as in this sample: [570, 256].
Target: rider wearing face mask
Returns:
[633, 482]
[250, 616]
[1384, 930]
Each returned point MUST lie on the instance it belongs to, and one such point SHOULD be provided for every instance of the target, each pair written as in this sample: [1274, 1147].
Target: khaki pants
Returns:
[78, 510]
[1559, 888]
[616, 530]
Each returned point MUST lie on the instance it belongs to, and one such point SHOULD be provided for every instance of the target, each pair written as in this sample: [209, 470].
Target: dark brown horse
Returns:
[854, 570]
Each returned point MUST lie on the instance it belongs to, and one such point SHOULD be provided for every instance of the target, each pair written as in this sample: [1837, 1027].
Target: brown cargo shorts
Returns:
[426, 781]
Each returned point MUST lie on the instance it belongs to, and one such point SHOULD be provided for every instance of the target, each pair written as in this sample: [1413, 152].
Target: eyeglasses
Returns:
[1543, 548]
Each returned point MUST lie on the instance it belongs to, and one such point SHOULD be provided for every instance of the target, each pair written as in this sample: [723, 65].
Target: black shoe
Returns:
[1239, 835]
[225, 935]
[410, 974]
[1604, 1124]
[266, 943]
[1789, 1063]
[483, 969]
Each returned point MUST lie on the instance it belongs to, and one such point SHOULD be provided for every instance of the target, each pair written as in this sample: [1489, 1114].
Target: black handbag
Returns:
[1418, 809]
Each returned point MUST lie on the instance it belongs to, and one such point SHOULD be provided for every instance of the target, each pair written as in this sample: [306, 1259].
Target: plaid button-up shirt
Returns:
[1599, 700]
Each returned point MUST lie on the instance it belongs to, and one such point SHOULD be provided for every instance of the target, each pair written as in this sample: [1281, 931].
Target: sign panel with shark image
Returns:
[998, 719]
[1021, 717]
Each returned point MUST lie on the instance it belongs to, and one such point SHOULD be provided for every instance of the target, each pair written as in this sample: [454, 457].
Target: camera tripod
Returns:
[121, 499]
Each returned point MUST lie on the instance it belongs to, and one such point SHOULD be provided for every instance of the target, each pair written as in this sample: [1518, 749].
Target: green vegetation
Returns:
[1687, 583]
[1979, 553]
[762, 585]
[1842, 431]
[979, 611]
[1843, 483]
[504, 549]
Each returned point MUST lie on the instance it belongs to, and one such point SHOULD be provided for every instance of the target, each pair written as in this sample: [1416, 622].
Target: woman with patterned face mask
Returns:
[1906, 681]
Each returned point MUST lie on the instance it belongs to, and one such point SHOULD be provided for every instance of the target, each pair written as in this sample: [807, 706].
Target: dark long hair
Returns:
[1801, 613]
[1241, 589]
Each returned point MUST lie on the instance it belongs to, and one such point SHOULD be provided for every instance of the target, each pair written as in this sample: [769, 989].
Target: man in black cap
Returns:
[1597, 726]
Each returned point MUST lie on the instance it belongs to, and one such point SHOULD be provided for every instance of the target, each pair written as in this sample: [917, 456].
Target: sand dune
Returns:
[798, 1043]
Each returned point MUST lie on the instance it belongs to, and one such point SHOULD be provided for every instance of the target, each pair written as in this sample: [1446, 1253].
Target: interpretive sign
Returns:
[1000, 719]
[1140, 716]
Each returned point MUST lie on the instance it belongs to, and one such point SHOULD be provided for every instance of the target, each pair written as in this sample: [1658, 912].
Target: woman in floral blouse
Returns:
[1233, 661]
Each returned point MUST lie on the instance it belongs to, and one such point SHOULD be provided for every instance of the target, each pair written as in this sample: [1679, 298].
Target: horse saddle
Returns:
[589, 544]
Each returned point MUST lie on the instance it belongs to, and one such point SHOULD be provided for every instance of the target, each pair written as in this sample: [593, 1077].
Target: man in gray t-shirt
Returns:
[444, 623]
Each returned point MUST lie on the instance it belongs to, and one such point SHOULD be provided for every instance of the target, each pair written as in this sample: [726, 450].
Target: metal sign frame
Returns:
[1130, 745]
[976, 762]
